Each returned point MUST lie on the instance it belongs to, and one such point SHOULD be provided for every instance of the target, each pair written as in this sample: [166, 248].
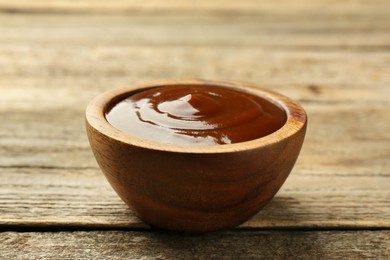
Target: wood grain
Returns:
[40, 139]
[226, 245]
[44, 94]
[332, 56]
[81, 198]
[224, 7]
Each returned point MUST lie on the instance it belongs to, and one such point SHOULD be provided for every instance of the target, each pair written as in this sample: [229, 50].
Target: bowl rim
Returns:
[95, 118]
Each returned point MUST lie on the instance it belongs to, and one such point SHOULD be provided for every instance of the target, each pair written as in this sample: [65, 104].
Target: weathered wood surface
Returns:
[341, 177]
[230, 245]
[332, 56]
[62, 198]
[224, 7]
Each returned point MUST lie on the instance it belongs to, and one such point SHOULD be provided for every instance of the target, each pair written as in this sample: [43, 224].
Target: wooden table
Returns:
[331, 56]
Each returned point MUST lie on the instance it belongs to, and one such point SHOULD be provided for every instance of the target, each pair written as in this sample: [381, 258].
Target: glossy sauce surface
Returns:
[196, 115]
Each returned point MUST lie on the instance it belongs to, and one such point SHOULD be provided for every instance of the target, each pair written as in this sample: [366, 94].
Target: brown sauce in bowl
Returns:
[196, 115]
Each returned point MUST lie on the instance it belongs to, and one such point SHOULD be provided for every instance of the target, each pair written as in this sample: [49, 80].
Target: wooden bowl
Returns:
[195, 188]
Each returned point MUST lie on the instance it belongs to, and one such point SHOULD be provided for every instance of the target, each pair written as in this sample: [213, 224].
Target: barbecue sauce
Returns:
[196, 115]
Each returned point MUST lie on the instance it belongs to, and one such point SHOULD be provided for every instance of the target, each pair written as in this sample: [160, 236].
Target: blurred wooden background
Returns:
[331, 56]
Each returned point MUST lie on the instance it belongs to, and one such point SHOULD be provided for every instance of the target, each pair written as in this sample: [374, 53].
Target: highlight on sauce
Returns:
[196, 115]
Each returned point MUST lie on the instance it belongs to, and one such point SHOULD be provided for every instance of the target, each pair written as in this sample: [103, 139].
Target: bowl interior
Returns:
[95, 115]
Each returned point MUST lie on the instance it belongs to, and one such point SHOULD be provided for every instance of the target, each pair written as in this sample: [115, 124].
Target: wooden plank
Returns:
[297, 31]
[61, 198]
[76, 56]
[66, 198]
[231, 245]
[56, 138]
[71, 100]
[177, 6]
